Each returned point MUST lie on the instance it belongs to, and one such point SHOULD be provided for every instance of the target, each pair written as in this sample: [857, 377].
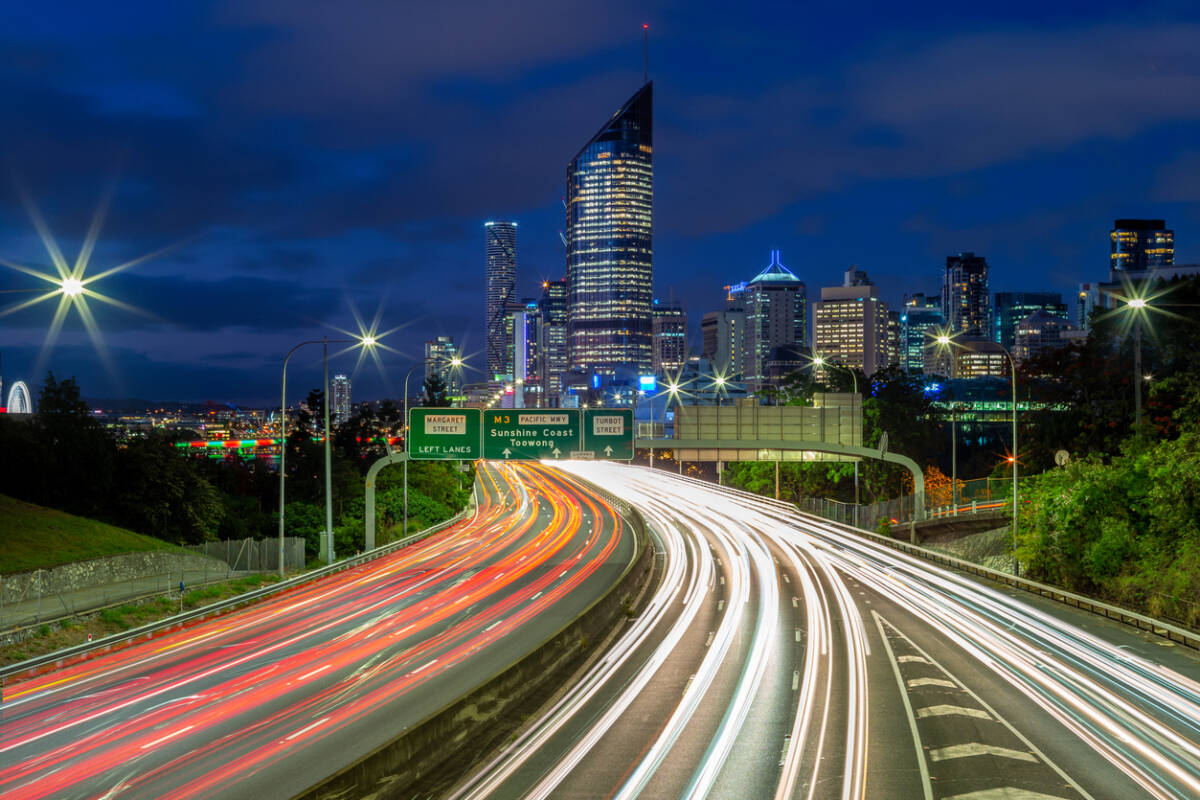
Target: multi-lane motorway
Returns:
[267, 701]
[775, 656]
[784, 657]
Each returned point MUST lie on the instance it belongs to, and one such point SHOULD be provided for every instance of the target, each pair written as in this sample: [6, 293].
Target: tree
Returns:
[76, 454]
[158, 493]
[436, 394]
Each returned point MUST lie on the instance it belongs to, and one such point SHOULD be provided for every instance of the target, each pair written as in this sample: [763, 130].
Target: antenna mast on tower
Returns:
[645, 53]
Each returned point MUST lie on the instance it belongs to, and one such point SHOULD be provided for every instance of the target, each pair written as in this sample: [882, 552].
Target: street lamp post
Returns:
[1138, 304]
[455, 362]
[945, 341]
[820, 361]
[324, 341]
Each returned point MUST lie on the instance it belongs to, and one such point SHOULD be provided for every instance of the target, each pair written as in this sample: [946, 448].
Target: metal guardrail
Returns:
[148, 630]
[1174, 633]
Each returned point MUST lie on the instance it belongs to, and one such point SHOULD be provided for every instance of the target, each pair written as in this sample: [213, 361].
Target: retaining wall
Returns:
[100, 571]
[427, 759]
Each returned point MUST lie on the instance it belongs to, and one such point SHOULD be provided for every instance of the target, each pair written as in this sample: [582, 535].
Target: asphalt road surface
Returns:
[267, 701]
[782, 656]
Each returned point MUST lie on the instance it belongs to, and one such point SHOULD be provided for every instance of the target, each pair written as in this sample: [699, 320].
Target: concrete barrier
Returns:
[428, 758]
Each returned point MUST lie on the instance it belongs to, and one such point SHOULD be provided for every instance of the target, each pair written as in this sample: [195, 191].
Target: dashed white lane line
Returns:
[952, 711]
[915, 682]
[977, 749]
[1005, 793]
[913, 659]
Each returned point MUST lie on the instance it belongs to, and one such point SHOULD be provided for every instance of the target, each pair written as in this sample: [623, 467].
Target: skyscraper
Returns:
[921, 315]
[439, 353]
[1012, 307]
[1140, 245]
[850, 324]
[723, 341]
[501, 278]
[340, 389]
[966, 300]
[552, 339]
[610, 194]
[670, 336]
[776, 304]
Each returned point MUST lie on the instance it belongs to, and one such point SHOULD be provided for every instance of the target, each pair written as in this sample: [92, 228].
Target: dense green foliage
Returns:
[1127, 531]
[893, 402]
[63, 458]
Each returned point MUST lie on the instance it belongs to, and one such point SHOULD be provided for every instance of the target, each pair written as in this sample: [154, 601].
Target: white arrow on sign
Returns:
[608, 450]
[556, 452]
[506, 452]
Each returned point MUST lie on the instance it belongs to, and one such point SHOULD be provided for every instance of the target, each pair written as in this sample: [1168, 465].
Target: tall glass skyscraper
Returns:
[966, 300]
[610, 196]
[340, 389]
[501, 277]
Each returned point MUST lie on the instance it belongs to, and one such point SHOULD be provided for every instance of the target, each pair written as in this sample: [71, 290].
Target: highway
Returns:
[782, 656]
[268, 700]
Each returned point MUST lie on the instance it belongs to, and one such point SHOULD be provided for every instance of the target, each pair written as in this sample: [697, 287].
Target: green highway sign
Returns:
[443, 434]
[608, 433]
[528, 433]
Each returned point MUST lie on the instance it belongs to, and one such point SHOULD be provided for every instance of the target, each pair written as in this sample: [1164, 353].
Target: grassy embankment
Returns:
[35, 537]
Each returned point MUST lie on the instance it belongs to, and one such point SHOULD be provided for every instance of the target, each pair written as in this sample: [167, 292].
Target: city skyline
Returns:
[286, 211]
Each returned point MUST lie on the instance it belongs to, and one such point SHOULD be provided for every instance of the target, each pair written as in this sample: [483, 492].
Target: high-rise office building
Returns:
[922, 315]
[966, 300]
[776, 304]
[669, 321]
[1038, 332]
[552, 339]
[501, 278]
[340, 409]
[850, 324]
[723, 341]
[895, 339]
[610, 195]
[1012, 307]
[1140, 245]
[439, 355]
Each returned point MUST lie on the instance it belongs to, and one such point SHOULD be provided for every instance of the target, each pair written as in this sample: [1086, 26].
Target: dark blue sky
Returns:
[304, 159]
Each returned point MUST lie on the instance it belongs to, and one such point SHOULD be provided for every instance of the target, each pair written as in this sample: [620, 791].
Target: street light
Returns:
[945, 340]
[821, 361]
[324, 341]
[456, 362]
[1138, 304]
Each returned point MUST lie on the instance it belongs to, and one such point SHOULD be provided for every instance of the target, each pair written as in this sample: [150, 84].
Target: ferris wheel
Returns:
[19, 401]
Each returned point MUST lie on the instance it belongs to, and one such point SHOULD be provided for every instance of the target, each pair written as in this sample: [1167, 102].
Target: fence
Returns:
[255, 555]
[866, 517]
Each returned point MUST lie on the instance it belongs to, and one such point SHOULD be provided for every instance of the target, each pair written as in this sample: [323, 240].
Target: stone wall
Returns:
[78, 575]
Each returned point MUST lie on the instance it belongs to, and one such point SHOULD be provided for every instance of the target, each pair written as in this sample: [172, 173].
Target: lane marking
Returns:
[795, 602]
[797, 634]
[952, 711]
[795, 679]
[978, 749]
[305, 730]
[179, 732]
[915, 682]
[316, 671]
[913, 660]
[1005, 793]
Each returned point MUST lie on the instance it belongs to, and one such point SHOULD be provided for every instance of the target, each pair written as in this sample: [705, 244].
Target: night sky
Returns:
[301, 161]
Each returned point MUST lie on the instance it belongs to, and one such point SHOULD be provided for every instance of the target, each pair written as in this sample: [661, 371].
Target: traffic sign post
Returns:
[443, 434]
[608, 433]
[517, 433]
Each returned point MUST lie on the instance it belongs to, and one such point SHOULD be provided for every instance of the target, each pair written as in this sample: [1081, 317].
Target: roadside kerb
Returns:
[79, 652]
[426, 758]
